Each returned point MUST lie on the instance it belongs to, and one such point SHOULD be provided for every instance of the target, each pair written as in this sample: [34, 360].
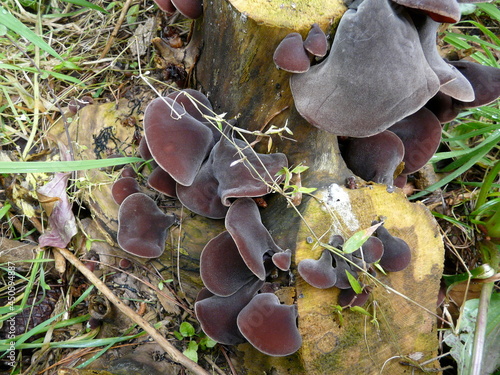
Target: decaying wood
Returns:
[236, 71]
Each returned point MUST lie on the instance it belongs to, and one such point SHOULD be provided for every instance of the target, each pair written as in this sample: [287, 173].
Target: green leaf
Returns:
[354, 283]
[358, 239]
[307, 190]
[300, 168]
[4, 210]
[360, 310]
[178, 336]
[207, 342]
[12, 23]
[192, 351]
[186, 329]
[14, 167]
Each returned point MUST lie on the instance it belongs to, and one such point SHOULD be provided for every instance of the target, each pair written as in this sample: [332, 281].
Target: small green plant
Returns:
[195, 341]
[291, 184]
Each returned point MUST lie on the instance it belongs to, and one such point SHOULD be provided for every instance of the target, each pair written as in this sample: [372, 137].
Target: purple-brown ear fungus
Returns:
[222, 268]
[142, 226]
[444, 11]
[123, 187]
[421, 136]
[251, 237]
[198, 106]
[452, 82]
[375, 158]
[371, 251]
[397, 253]
[165, 5]
[316, 43]
[270, 326]
[177, 141]
[318, 273]
[342, 95]
[162, 182]
[241, 172]
[485, 81]
[443, 107]
[218, 315]
[348, 297]
[202, 196]
[189, 8]
[290, 55]
[283, 259]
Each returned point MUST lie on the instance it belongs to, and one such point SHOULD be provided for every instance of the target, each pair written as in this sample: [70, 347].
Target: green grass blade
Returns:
[490, 9]
[478, 155]
[31, 69]
[13, 24]
[13, 167]
[86, 4]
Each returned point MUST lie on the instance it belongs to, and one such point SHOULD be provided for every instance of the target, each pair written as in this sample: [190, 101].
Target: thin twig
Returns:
[114, 33]
[175, 354]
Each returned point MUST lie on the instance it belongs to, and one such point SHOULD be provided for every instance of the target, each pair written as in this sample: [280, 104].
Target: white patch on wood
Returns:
[337, 199]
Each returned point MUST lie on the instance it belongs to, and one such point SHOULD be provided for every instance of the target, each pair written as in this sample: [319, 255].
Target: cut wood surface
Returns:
[236, 71]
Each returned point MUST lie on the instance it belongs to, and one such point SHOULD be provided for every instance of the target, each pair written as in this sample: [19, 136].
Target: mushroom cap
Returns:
[197, 105]
[123, 187]
[397, 253]
[443, 11]
[316, 42]
[177, 141]
[375, 158]
[142, 226]
[194, 102]
[222, 268]
[348, 297]
[161, 181]
[189, 8]
[283, 259]
[452, 81]
[202, 196]
[460, 88]
[318, 273]
[290, 54]
[218, 315]
[421, 136]
[250, 235]
[372, 249]
[401, 181]
[349, 96]
[165, 5]
[485, 81]
[241, 172]
[443, 107]
[342, 267]
[270, 326]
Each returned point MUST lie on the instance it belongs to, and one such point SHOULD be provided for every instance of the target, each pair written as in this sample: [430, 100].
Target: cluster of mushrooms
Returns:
[188, 8]
[214, 175]
[389, 109]
[392, 253]
[393, 102]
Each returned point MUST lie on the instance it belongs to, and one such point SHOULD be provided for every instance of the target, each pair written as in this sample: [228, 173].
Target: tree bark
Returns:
[236, 71]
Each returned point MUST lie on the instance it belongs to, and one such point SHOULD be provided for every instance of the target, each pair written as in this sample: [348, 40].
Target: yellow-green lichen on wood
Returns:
[406, 325]
[291, 14]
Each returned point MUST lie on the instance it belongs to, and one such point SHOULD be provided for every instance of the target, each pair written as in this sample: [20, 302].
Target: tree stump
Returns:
[236, 71]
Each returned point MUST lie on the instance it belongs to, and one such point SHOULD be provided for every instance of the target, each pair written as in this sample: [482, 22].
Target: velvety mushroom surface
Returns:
[142, 226]
[342, 94]
[270, 326]
[177, 141]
